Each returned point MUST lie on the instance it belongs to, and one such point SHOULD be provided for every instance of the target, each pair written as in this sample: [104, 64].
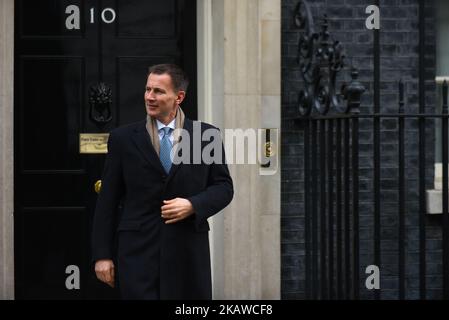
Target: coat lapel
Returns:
[142, 141]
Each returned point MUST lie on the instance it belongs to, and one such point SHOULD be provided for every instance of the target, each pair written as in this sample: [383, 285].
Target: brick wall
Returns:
[399, 50]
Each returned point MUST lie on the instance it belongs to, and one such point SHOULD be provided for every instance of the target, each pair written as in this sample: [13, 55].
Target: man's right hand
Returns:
[104, 269]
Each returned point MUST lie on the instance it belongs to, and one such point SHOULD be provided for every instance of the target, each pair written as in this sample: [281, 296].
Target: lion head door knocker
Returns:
[100, 100]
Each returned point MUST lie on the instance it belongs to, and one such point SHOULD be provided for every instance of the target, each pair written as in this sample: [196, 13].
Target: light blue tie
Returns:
[165, 150]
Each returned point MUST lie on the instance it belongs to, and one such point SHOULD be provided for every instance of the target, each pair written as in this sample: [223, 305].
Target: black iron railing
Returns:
[332, 178]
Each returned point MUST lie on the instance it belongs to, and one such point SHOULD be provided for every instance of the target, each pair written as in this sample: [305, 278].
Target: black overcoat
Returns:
[155, 260]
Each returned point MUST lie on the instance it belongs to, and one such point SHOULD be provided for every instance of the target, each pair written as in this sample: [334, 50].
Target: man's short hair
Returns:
[178, 76]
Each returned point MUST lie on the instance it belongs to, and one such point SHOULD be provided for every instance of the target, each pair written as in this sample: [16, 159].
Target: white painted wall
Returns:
[239, 87]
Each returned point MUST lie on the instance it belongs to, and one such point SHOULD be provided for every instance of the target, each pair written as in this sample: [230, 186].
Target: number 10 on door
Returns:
[72, 20]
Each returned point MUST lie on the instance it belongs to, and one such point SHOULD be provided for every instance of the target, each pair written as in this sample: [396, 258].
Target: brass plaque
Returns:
[94, 142]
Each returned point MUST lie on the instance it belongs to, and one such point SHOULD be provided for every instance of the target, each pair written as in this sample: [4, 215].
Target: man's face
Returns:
[161, 100]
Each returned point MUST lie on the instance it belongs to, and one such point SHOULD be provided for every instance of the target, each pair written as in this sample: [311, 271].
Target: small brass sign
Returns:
[94, 142]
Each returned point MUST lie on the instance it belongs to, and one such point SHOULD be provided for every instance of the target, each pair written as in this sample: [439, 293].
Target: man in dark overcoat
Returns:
[155, 209]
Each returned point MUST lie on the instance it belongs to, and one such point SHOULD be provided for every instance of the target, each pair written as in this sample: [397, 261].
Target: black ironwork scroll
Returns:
[320, 59]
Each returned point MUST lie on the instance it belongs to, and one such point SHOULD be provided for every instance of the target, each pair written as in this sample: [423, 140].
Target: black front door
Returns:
[66, 51]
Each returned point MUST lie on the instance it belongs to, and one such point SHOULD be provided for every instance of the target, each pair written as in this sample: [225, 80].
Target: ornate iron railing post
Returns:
[320, 59]
[352, 93]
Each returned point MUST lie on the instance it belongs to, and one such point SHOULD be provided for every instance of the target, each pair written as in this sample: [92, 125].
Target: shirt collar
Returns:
[160, 125]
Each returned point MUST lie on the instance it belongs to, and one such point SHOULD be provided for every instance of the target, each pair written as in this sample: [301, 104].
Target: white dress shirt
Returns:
[160, 125]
